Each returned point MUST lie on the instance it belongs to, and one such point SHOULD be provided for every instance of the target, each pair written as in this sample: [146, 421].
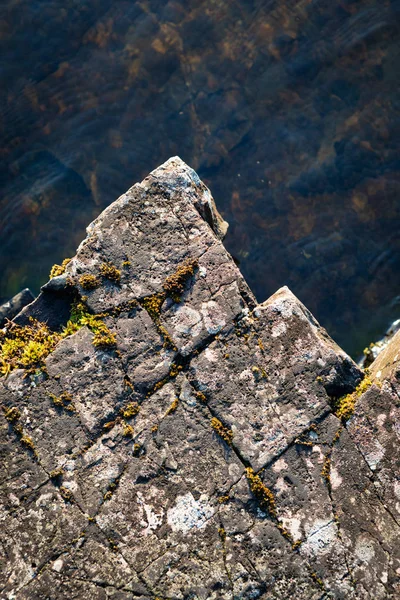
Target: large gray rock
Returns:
[197, 455]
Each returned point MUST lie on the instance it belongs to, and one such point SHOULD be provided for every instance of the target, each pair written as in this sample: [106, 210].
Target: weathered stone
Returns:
[10, 309]
[197, 455]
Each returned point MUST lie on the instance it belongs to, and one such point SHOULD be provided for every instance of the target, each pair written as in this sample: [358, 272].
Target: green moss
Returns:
[26, 347]
[57, 270]
[174, 285]
[344, 407]
[110, 272]
[224, 432]
[89, 282]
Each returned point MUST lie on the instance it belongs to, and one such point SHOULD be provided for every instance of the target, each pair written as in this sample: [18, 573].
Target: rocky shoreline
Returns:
[164, 435]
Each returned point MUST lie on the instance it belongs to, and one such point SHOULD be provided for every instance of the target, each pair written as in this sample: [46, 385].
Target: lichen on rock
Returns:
[182, 440]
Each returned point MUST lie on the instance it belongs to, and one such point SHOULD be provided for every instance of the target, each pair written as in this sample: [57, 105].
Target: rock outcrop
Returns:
[165, 436]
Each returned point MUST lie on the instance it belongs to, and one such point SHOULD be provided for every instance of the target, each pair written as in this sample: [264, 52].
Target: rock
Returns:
[10, 309]
[182, 441]
[372, 351]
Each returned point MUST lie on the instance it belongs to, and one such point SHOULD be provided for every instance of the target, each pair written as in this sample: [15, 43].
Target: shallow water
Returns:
[289, 111]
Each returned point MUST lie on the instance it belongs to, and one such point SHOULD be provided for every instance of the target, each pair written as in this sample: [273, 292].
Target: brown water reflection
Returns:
[289, 110]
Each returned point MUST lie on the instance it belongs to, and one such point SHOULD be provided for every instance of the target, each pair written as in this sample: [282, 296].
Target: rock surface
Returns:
[198, 456]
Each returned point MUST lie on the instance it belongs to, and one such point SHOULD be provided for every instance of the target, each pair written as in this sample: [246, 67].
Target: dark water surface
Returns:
[289, 110]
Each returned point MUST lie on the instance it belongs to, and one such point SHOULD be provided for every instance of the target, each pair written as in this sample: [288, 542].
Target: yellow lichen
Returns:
[110, 272]
[66, 494]
[89, 282]
[127, 430]
[224, 432]
[344, 407]
[263, 494]
[59, 269]
[154, 429]
[173, 407]
[28, 442]
[130, 410]
[12, 414]
[174, 285]
[201, 396]
[63, 400]
[153, 304]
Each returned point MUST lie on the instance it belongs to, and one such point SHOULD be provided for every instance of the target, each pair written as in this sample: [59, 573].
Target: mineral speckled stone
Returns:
[181, 441]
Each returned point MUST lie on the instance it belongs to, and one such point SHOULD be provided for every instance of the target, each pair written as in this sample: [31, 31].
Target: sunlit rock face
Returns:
[198, 455]
[288, 110]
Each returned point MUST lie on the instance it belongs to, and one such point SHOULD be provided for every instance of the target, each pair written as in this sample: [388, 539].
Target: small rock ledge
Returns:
[181, 441]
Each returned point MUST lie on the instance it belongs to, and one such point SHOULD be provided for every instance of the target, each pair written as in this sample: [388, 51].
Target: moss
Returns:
[223, 499]
[222, 534]
[109, 425]
[263, 494]
[26, 347]
[326, 468]
[127, 430]
[154, 429]
[260, 344]
[57, 270]
[66, 494]
[153, 304]
[12, 414]
[344, 407]
[28, 442]
[201, 396]
[64, 400]
[136, 449]
[225, 433]
[113, 545]
[130, 410]
[174, 285]
[174, 370]
[107, 495]
[110, 272]
[80, 316]
[89, 282]
[56, 474]
[173, 407]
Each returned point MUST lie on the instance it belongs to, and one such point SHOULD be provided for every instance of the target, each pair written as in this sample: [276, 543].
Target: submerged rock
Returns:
[179, 440]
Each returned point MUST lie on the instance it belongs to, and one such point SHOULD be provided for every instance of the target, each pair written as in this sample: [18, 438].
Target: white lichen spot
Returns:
[151, 520]
[375, 456]
[364, 549]
[213, 316]
[278, 329]
[280, 465]
[211, 355]
[335, 478]
[186, 321]
[293, 525]
[320, 537]
[189, 513]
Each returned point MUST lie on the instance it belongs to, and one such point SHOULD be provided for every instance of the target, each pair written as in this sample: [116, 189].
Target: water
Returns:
[289, 111]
